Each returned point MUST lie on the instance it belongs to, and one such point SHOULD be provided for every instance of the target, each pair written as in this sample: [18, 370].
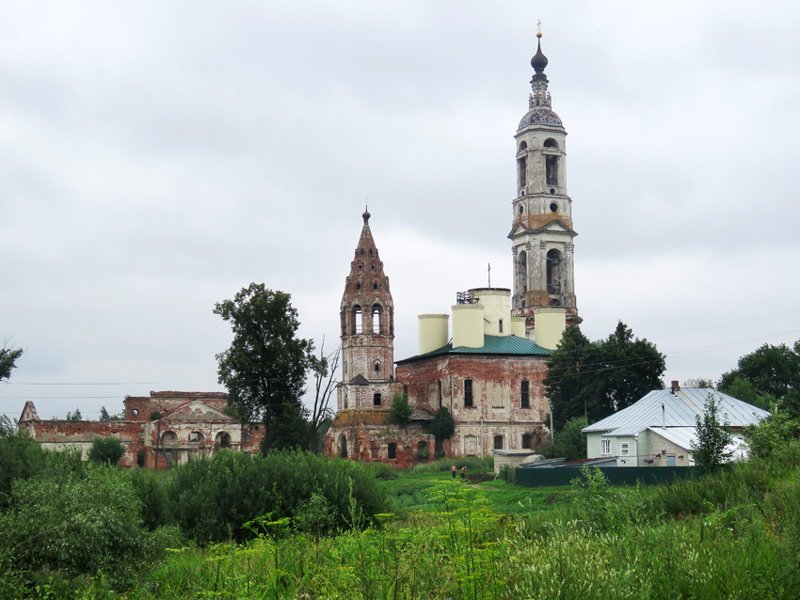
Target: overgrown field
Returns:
[300, 526]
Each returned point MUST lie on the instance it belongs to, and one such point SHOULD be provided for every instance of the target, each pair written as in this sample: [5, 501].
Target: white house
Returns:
[659, 429]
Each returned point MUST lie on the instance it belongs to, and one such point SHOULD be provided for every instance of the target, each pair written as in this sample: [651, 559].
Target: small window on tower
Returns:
[358, 323]
[376, 400]
[375, 286]
[551, 166]
[553, 207]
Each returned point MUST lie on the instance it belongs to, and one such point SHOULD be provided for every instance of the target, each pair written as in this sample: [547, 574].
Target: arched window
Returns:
[376, 318]
[342, 446]
[358, 323]
[522, 276]
[169, 437]
[196, 437]
[523, 146]
[223, 440]
[553, 272]
[551, 143]
[522, 172]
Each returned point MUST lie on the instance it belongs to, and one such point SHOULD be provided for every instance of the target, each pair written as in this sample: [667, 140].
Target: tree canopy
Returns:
[767, 376]
[8, 359]
[265, 367]
[710, 448]
[596, 379]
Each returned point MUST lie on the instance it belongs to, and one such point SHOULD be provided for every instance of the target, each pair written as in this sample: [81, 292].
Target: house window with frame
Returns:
[624, 449]
[525, 394]
[605, 446]
[468, 393]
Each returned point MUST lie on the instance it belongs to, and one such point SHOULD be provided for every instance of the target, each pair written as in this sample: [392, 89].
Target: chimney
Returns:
[676, 387]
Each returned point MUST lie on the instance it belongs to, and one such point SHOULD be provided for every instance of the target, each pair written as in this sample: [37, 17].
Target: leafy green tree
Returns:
[400, 411]
[766, 376]
[570, 443]
[569, 382]
[289, 429]
[442, 426]
[777, 431]
[709, 449]
[8, 359]
[264, 369]
[628, 369]
[596, 379]
[106, 450]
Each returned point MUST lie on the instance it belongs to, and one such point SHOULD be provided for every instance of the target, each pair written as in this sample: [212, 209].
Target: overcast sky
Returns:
[156, 157]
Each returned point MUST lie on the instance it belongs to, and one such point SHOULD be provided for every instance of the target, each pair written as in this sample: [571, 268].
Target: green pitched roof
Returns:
[497, 345]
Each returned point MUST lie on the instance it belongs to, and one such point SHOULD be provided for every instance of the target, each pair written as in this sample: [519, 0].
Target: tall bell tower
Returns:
[367, 325]
[541, 233]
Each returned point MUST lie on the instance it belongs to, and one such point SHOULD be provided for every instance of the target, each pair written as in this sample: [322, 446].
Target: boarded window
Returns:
[468, 393]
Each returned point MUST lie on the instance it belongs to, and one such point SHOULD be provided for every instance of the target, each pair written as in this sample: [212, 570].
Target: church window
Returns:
[376, 318]
[553, 207]
[553, 272]
[498, 442]
[525, 396]
[376, 399]
[551, 168]
[169, 437]
[522, 275]
[375, 285]
[523, 146]
[440, 392]
[521, 209]
[342, 446]
[377, 366]
[358, 323]
[405, 391]
[370, 251]
[391, 450]
[551, 143]
[358, 286]
[196, 437]
[500, 325]
[527, 441]
[468, 393]
[522, 170]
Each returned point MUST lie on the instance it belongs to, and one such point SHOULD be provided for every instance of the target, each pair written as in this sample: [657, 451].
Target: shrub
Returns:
[151, 489]
[106, 450]
[79, 525]
[400, 412]
[20, 458]
[212, 499]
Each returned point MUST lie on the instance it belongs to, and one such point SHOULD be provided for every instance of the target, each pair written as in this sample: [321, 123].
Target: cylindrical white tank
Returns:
[518, 326]
[549, 324]
[496, 303]
[468, 325]
[432, 332]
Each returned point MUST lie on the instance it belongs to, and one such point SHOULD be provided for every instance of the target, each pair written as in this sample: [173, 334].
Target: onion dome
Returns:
[539, 60]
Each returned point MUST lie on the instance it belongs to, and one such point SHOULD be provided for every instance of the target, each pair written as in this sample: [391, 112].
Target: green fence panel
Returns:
[615, 475]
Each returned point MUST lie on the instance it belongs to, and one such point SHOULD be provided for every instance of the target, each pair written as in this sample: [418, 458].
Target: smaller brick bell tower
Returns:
[367, 318]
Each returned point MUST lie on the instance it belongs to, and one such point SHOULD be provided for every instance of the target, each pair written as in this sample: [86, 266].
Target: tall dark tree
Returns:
[627, 368]
[8, 359]
[766, 376]
[595, 379]
[264, 369]
[569, 384]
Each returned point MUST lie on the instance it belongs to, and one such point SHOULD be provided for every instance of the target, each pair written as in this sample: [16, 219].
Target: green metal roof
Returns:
[498, 345]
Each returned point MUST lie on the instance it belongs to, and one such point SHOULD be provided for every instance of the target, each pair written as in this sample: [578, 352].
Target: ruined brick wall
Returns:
[367, 435]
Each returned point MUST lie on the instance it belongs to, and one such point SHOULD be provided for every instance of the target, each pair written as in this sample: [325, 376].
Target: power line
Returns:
[775, 314]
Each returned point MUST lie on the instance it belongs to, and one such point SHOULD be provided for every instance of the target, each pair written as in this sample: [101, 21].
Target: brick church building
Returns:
[486, 367]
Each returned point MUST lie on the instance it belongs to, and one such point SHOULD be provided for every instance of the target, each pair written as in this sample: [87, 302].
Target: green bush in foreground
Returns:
[106, 450]
[79, 525]
[212, 499]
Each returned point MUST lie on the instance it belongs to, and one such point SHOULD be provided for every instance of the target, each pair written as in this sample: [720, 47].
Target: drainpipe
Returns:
[636, 441]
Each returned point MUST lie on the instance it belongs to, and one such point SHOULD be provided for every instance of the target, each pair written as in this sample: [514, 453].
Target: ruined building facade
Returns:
[157, 431]
[488, 366]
